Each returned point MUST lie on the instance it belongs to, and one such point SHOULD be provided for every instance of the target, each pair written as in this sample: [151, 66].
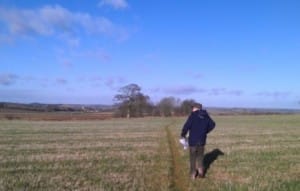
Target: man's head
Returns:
[196, 106]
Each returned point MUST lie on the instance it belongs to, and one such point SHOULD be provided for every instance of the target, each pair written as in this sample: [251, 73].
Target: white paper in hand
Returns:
[184, 143]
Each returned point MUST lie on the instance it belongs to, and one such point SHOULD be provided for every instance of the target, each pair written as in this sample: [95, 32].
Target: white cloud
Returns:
[56, 20]
[116, 4]
[42, 21]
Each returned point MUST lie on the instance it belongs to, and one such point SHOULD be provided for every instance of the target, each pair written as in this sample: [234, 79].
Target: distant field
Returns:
[260, 153]
[54, 116]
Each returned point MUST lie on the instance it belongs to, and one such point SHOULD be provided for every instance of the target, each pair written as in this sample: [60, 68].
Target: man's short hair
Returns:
[197, 105]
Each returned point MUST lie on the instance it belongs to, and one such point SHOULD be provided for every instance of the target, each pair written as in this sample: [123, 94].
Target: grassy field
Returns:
[259, 153]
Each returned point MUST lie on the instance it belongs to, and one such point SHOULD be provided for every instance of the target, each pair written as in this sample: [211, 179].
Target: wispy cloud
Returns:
[182, 90]
[198, 75]
[67, 64]
[235, 92]
[247, 68]
[8, 79]
[224, 91]
[111, 82]
[61, 81]
[95, 81]
[116, 4]
[18, 95]
[72, 41]
[188, 90]
[40, 81]
[217, 91]
[12, 79]
[114, 82]
[179, 90]
[68, 58]
[43, 21]
[274, 94]
[195, 75]
[100, 54]
[56, 20]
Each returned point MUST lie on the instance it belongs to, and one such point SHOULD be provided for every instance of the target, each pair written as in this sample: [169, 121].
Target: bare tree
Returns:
[167, 106]
[132, 102]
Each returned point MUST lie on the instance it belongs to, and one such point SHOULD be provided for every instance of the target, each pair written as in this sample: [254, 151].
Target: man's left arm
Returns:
[211, 124]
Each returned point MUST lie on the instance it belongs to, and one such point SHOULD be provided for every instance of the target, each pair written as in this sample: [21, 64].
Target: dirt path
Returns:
[177, 182]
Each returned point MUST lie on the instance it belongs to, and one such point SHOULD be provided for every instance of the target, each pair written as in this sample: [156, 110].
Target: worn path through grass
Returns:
[177, 181]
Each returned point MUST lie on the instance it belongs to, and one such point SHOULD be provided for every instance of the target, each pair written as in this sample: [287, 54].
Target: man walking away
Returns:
[198, 125]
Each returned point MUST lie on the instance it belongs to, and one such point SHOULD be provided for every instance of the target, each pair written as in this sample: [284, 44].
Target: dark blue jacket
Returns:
[198, 125]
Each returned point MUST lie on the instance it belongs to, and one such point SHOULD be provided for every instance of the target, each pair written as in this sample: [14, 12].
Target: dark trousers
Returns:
[196, 158]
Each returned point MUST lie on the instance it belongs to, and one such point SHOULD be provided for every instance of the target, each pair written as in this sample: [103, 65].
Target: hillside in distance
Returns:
[41, 107]
[250, 111]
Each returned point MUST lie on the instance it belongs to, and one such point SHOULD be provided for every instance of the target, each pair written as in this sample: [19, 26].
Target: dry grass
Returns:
[53, 116]
[260, 153]
[98, 155]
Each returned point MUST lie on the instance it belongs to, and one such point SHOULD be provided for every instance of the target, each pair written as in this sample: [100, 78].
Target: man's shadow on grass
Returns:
[210, 157]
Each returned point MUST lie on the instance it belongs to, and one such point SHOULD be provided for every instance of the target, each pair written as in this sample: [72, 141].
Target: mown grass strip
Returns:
[177, 182]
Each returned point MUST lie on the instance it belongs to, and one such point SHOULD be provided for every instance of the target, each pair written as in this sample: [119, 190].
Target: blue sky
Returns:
[229, 53]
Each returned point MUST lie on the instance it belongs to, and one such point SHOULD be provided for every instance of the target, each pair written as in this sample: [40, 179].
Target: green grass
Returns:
[260, 153]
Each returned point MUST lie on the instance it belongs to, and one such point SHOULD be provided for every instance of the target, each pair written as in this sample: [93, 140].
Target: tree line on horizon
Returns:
[131, 102]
